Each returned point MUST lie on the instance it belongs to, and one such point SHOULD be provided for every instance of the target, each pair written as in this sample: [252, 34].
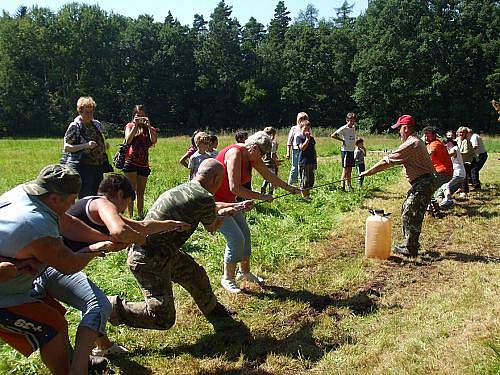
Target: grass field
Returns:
[325, 309]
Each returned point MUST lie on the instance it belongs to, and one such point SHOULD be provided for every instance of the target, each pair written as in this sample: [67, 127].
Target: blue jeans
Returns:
[237, 234]
[77, 291]
[294, 169]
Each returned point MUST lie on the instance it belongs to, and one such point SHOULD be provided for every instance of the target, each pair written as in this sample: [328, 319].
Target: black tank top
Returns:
[80, 210]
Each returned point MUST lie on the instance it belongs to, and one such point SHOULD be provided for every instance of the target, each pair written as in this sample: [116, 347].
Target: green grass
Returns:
[293, 249]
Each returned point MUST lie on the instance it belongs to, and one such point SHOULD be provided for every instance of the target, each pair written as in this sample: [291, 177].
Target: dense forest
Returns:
[438, 60]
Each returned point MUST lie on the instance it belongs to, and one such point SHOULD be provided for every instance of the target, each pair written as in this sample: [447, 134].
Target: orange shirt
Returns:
[440, 157]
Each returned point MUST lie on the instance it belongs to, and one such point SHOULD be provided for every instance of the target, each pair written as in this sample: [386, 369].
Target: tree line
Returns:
[438, 60]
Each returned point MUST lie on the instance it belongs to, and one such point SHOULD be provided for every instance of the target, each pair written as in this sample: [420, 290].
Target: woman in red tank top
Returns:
[238, 160]
[140, 135]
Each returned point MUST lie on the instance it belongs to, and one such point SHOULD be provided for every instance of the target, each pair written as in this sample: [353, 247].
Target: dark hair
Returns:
[430, 129]
[115, 182]
[358, 141]
[137, 108]
[241, 135]
[213, 138]
[448, 140]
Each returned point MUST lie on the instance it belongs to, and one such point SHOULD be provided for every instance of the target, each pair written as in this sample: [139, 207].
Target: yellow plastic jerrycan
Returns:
[378, 235]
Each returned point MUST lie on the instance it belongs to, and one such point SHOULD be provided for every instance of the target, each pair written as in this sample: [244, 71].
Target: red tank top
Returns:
[224, 194]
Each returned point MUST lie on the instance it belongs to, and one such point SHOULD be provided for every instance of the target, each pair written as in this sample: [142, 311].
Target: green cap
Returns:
[55, 178]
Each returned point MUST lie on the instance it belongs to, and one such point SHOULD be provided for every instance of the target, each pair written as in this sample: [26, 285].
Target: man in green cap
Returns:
[32, 219]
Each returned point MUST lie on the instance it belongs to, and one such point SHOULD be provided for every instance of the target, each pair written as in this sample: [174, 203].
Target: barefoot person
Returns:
[32, 219]
[419, 171]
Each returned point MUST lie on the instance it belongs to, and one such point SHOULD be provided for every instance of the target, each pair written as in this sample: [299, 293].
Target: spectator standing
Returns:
[270, 159]
[214, 143]
[85, 146]
[359, 159]
[308, 161]
[202, 142]
[140, 135]
[292, 149]
[184, 160]
[467, 152]
[347, 135]
[419, 171]
[481, 156]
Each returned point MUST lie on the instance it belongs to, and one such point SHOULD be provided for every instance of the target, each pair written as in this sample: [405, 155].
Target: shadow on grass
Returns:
[233, 338]
[460, 257]
[359, 304]
[127, 366]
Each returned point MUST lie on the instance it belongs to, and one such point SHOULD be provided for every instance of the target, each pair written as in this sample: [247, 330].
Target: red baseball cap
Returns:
[404, 120]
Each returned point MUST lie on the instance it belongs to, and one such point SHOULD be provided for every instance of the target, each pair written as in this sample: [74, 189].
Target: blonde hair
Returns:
[463, 129]
[202, 137]
[85, 102]
[350, 115]
[302, 116]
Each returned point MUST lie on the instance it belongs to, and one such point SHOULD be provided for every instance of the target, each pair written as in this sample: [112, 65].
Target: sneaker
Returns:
[113, 350]
[249, 276]
[230, 285]
[446, 203]
[98, 365]
[403, 250]
[462, 195]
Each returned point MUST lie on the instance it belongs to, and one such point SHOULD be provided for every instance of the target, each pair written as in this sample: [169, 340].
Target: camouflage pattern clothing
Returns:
[160, 261]
[414, 208]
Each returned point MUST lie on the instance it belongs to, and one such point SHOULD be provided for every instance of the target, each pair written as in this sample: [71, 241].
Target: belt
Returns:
[421, 177]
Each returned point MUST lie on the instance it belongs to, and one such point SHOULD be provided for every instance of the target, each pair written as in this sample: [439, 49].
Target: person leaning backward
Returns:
[419, 171]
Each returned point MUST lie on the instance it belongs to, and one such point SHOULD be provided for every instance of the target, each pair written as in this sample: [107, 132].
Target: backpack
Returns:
[119, 158]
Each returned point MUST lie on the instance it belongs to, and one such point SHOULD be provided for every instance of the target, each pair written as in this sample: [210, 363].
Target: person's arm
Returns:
[184, 159]
[8, 270]
[303, 145]
[130, 132]
[70, 140]
[289, 143]
[452, 152]
[76, 230]
[378, 167]
[149, 227]
[153, 134]
[364, 150]
[118, 229]
[53, 252]
[272, 178]
[233, 165]
[335, 135]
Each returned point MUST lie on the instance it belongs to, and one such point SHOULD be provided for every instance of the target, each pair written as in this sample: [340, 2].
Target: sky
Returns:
[184, 10]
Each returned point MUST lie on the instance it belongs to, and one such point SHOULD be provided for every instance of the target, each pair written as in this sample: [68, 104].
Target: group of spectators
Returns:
[47, 238]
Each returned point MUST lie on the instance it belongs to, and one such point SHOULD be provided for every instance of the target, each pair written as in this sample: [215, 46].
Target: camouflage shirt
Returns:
[188, 202]
[78, 133]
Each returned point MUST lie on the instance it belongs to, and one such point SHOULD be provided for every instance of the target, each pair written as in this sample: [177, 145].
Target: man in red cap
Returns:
[419, 171]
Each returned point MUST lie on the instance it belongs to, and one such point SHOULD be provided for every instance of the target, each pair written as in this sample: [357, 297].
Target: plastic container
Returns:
[378, 235]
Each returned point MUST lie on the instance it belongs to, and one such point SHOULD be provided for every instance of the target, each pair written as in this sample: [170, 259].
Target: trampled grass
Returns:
[326, 309]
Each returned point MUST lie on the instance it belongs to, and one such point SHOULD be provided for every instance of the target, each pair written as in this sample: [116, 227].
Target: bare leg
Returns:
[342, 179]
[245, 264]
[103, 342]
[55, 354]
[141, 188]
[230, 270]
[85, 338]
[132, 177]
[347, 176]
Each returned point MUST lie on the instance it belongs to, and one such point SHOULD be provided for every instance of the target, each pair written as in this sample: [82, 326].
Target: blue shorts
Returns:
[347, 159]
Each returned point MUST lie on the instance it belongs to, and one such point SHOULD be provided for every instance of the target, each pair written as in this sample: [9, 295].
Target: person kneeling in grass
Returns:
[160, 261]
[102, 213]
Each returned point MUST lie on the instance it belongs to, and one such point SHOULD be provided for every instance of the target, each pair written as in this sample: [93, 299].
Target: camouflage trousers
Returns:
[414, 208]
[155, 274]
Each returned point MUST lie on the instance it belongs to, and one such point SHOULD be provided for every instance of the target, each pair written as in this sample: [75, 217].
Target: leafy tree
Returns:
[309, 16]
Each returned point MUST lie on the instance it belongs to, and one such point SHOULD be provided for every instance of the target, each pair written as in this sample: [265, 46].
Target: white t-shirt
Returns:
[458, 163]
[349, 136]
[478, 144]
[194, 163]
[294, 132]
